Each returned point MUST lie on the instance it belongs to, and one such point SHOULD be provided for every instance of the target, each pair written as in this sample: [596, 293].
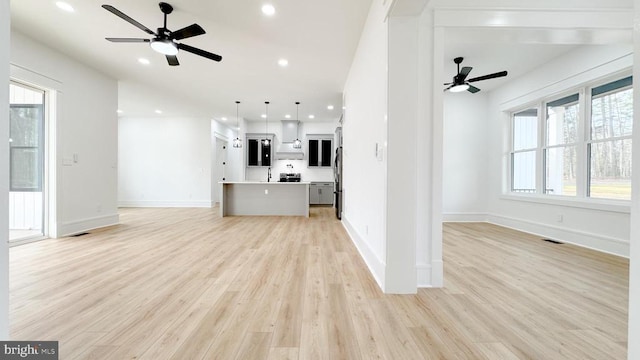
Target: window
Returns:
[560, 152]
[26, 122]
[609, 147]
[586, 147]
[523, 156]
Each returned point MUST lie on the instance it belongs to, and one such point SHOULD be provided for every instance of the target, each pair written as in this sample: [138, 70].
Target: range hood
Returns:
[288, 152]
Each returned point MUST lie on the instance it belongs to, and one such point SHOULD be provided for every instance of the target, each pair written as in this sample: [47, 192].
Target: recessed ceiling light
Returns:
[311, 117]
[224, 118]
[268, 9]
[64, 6]
[158, 112]
[283, 62]
[144, 61]
[119, 111]
[330, 107]
[344, 108]
[287, 116]
[264, 116]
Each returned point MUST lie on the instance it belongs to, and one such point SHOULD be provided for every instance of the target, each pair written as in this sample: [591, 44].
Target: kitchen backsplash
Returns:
[280, 166]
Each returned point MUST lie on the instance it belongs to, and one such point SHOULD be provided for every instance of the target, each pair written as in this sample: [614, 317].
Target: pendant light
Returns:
[266, 123]
[237, 143]
[297, 144]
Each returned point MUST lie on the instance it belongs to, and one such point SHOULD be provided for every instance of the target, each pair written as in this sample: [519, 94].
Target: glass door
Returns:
[26, 162]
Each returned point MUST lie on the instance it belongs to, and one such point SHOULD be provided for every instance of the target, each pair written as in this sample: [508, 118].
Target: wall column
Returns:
[634, 236]
[400, 274]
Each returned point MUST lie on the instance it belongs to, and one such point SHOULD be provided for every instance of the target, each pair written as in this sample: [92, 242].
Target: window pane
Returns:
[25, 169]
[523, 177]
[612, 115]
[25, 123]
[562, 121]
[525, 129]
[560, 167]
[610, 169]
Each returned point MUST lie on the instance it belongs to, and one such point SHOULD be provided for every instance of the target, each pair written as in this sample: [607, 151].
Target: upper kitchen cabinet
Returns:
[320, 150]
[259, 153]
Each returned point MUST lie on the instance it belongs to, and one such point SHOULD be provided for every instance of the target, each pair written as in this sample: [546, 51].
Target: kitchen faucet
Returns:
[269, 174]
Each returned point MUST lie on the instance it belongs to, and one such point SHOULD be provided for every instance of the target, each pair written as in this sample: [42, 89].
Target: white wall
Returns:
[465, 156]
[605, 228]
[86, 127]
[299, 166]
[5, 20]
[164, 162]
[364, 175]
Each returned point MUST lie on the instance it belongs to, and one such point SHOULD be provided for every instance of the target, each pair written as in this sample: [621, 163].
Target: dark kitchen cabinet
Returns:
[259, 154]
[320, 151]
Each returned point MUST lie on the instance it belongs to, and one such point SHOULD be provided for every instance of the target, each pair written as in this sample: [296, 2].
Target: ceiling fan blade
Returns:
[490, 76]
[463, 73]
[448, 87]
[187, 32]
[472, 89]
[193, 50]
[172, 60]
[126, 18]
[127, 40]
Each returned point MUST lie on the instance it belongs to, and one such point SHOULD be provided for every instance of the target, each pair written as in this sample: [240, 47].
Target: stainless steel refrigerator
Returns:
[337, 174]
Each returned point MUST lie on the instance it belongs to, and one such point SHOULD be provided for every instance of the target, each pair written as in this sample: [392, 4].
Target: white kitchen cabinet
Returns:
[321, 193]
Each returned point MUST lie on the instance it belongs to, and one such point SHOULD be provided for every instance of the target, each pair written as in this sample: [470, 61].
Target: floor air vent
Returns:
[553, 241]
[81, 234]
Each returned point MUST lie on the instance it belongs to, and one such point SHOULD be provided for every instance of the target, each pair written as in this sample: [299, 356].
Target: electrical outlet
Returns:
[266, 191]
[559, 218]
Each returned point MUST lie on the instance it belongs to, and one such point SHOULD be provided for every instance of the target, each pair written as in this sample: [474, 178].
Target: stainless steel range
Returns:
[290, 177]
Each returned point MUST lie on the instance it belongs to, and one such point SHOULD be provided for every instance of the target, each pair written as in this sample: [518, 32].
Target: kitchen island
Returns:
[264, 198]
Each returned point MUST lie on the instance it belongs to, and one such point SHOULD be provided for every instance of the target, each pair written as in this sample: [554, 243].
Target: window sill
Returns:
[619, 206]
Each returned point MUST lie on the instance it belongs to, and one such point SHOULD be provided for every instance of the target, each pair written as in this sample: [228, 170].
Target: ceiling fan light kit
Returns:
[164, 46]
[164, 41]
[460, 82]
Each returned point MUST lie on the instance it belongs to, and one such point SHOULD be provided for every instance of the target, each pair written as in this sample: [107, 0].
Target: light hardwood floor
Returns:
[187, 284]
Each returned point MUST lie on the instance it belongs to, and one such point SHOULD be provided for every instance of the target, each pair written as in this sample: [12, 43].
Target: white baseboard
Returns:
[464, 217]
[424, 275]
[167, 204]
[592, 241]
[375, 265]
[78, 226]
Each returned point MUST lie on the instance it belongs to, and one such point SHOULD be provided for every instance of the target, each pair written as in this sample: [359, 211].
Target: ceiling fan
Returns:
[164, 41]
[460, 83]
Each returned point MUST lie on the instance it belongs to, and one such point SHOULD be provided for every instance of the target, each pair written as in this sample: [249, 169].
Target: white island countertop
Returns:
[255, 198]
[265, 182]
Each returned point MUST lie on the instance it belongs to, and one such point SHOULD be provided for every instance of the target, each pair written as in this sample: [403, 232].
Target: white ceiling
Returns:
[319, 38]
